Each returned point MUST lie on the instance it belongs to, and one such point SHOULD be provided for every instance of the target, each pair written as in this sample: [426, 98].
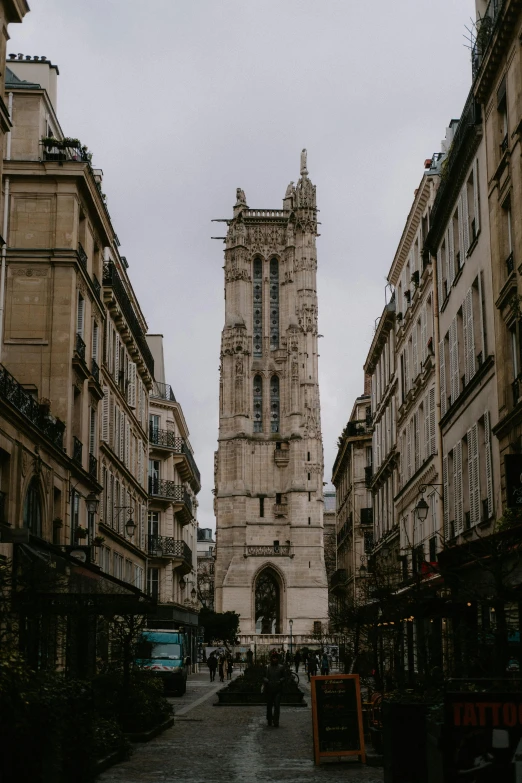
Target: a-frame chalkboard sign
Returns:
[337, 716]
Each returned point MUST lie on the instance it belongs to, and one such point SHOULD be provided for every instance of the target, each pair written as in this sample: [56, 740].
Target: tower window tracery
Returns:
[274, 403]
[274, 304]
[258, 404]
[257, 329]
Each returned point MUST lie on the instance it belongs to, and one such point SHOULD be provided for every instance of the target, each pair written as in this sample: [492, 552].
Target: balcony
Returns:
[93, 466]
[484, 34]
[170, 492]
[162, 391]
[170, 549]
[517, 389]
[77, 450]
[168, 440]
[82, 256]
[356, 429]
[64, 150]
[111, 279]
[281, 457]
[280, 509]
[339, 579]
[79, 347]
[78, 360]
[13, 393]
[275, 550]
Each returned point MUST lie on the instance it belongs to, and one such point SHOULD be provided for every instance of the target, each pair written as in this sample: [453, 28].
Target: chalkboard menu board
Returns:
[337, 716]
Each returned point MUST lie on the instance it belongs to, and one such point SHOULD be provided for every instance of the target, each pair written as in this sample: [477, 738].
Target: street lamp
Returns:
[422, 510]
[92, 503]
[291, 623]
[130, 527]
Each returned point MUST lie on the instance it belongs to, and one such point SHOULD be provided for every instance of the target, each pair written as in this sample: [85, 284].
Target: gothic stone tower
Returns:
[269, 464]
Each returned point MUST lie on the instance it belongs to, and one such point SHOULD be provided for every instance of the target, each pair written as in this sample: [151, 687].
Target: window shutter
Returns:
[117, 360]
[445, 481]
[122, 436]
[131, 390]
[105, 414]
[442, 368]
[423, 335]
[408, 449]
[489, 466]
[81, 315]
[450, 252]
[439, 277]
[407, 379]
[140, 464]
[460, 221]
[431, 417]
[476, 197]
[426, 427]
[454, 360]
[470, 363]
[415, 352]
[473, 475]
[416, 439]
[142, 527]
[457, 488]
[465, 223]
[127, 442]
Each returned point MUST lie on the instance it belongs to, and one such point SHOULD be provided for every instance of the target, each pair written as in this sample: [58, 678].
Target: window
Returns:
[129, 571]
[258, 404]
[33, 509]
[507, 235]
[261, 507]
[154, 476]
[138, 577]
[75, 514]
[278, 498]
[274, 304]
[153, 583]
[258, 307]
[154, 427]
[95, 339]
[92, 431]
[154, 524]
[80, 316]
[117, 565]
[503, 128]
[274, 403]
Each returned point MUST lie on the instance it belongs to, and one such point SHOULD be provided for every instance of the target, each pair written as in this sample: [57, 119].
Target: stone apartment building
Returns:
[206, 554]
[173, 483]
[354, 512]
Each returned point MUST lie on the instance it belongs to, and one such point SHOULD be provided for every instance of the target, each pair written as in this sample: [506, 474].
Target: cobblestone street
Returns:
[208, 744]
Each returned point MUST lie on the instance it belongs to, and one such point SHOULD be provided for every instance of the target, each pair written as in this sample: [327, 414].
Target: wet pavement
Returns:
[209, 744]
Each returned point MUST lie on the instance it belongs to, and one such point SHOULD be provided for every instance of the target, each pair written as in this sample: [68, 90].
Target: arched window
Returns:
[274, 403]
[258, 404]
[257, 330]
[274, 304]
[268, 602]
[33, 508]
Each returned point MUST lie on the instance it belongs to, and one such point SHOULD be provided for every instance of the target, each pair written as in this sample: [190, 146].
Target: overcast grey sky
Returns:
[182, 101]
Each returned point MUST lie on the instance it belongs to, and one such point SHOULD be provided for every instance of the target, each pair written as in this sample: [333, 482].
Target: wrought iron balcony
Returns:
[93, 466]
[164, 546]
[77, 450]
[79, 346]
[504, 144]
[282, 550]
[356, 428]
[169, 490]
[97, 286]
[64, 150]
[95, 370]
[12, 392]
[339, 578]
[165, 439]
[484, 34]
[82, 255]
[162, 391]
[111, 279]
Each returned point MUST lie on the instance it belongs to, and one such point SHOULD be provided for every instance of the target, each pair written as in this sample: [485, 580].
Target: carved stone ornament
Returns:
[267, 239]
[26, 461]
[81, 287]
[234, 341]
[240, 197]
[29, 272]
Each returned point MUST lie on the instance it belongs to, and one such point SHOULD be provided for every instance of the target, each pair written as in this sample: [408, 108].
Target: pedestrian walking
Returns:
[230, 666]
[212, 666]
[288, 658]
[297, 661]
[325, 664]
[221, 667]
[312, 665]
[273, 687]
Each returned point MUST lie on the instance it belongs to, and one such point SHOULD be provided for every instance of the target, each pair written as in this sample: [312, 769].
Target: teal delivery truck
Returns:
[165, 654]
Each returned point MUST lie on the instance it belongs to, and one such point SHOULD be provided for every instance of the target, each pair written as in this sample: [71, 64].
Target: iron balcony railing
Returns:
[95, 370]
[79, 346]
[82, 255]
[169, 490]
[56, 149]
[485, 31]
[356, 428]
[112, 280]
[93, 466]
[168, 440]
[162, 391]
[339, 578]
[77, 450]
[11, 391]
[164, 546]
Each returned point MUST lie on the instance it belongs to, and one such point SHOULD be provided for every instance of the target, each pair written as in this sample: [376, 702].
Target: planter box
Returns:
[236, 699]
[404, 738]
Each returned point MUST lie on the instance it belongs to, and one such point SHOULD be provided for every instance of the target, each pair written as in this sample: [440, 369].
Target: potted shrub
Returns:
[98, 540]
[73, 143]
[81, 533]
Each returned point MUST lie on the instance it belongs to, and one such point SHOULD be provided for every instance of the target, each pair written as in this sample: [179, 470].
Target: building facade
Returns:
[269, 464]
[354, 513]
[206, 554]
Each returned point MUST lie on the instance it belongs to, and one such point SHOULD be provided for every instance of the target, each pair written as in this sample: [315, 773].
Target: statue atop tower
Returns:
[269, 462]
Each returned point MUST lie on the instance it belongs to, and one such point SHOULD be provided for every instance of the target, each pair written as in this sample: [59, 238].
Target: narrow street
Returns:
[210, 744]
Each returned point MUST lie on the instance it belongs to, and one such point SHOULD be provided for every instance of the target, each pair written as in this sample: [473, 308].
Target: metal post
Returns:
[291, 622]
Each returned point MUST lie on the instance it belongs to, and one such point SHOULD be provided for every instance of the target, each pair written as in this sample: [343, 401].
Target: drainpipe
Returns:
[4, 234]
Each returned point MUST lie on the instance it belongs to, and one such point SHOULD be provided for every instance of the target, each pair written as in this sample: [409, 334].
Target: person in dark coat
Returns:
[230, 666]
[212, 666]
[273, 681]
[297, 661]
[312, 665]
[221, 666]
[325, 664]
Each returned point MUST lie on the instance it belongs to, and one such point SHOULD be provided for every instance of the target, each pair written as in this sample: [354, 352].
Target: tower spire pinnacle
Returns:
[304, 170]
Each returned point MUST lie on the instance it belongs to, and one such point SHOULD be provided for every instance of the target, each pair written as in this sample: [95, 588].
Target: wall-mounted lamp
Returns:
[92, 502]
[422, 509]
